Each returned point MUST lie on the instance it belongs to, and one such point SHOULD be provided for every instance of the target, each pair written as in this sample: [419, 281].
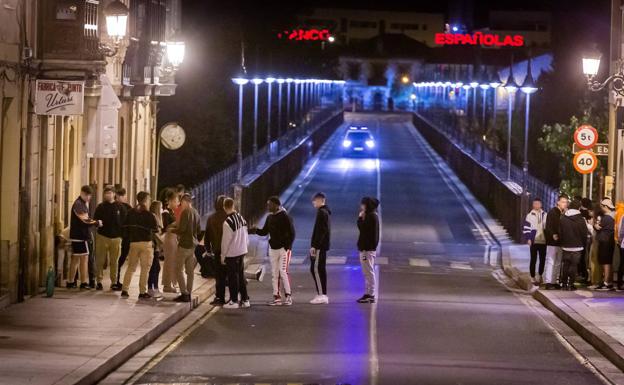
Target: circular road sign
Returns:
[586, 136]
[585, 162]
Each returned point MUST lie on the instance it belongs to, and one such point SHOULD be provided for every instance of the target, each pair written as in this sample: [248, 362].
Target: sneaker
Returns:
[71, 285]
[538, 279]
[145, 296]
[217, 302]
[245, 304]
[366, 299]
[115, 287]
[231, 305]
[124, 294]
[600, 286]
[320, 300]
[99, 286]
[156, 293]
[85, 286]
[183, 298]
[277, 301]
[169, 289]
[260, 274]
[288, 301]
[91, 284]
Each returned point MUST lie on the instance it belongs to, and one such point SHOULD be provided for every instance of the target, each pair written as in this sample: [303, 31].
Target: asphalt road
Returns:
[441, 317]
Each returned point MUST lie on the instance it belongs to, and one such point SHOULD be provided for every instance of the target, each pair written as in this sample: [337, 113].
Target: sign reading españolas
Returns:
[59, 97]
[479, 38]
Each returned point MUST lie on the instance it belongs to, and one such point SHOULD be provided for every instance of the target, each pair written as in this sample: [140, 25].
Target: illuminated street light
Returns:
[175, 50]
[528, 87]
[269, 81]
[511, 87]
[331, 39]
[116, 14]
[239, 154]
[254, 160]
[591, 63]
[405, 79]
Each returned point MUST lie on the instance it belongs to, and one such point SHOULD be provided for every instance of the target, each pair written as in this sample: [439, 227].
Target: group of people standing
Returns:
[575, 239]
[169, 231]
[140, 235]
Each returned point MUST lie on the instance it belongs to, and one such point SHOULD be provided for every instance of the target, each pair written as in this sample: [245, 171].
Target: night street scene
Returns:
[200, 192]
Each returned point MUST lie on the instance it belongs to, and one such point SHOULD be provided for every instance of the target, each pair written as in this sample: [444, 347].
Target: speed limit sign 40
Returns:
[585, 162]
[586, 136]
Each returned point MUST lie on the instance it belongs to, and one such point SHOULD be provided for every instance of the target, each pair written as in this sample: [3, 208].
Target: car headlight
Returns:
[346, 143]
[370, 143]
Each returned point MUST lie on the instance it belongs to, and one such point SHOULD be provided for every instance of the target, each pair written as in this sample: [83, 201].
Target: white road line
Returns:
[336, 260]
[461, 265]
[419, 262]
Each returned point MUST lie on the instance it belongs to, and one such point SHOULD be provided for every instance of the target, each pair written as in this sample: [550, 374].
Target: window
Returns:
[362, 24]
[405, 26]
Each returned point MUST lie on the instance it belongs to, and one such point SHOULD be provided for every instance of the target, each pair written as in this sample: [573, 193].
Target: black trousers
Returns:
[620, 272]
[570, 261]
[537, 250]
[125, 249]
[220, 272]
[318, 268]
[236, 278]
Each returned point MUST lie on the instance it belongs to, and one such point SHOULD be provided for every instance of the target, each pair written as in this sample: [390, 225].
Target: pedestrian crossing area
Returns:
[425, 262]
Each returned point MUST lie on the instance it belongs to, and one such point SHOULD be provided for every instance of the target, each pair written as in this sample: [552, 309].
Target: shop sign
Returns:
[59, 97]
[479, 38]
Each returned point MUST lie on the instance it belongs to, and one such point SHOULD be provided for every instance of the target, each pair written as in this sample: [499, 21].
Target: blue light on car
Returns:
[370, 143]
[346, 143]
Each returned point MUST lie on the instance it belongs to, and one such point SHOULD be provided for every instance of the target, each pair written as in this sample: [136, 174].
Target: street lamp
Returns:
[175, 50]
[528, 88]
[511, 87]
[116, 14]
[269, 81]
[484, 87]
[280, 82]
[239, 154]
[404, 79]
[256, 82]
[591, 64]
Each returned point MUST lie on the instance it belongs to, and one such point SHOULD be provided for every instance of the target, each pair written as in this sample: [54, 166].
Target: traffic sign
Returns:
[600, 149]
[586, 136]
[585, 162]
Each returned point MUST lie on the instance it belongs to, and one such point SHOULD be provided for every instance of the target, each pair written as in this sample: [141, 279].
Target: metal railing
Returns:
[449, 125]
[223, 181]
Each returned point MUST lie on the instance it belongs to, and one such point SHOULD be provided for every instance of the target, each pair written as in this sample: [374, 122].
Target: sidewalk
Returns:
[598, 317]
[77, 337]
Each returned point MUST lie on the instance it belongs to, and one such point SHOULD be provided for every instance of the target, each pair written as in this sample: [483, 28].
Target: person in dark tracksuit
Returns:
[368, 224]
[122, 200]
[552, 270]
[573, 235]
[321, 235]
[212, 241]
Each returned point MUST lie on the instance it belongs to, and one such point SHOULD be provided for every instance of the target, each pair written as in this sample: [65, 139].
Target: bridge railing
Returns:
[223, 181]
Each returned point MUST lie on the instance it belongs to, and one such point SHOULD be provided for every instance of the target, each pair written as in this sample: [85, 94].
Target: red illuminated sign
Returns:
[479, 38]
[305, 34]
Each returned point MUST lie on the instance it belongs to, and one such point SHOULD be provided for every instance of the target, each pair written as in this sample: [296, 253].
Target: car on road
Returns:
[358, 141]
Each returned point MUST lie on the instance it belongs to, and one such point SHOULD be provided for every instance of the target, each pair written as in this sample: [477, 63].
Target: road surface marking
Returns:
[461, 265]
[336, 260]
[419, 262]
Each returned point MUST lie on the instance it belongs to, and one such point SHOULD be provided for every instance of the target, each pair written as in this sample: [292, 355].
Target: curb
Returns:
[606, 345]
[115, 355]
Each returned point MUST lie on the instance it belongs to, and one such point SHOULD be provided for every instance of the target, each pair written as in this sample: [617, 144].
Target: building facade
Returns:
[78, 107]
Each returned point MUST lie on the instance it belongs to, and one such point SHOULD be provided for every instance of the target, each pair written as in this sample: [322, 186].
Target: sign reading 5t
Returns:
[586, 136]
[585, 162]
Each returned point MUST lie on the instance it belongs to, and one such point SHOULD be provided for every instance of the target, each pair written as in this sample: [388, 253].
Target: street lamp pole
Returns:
[279, 114]
[511, 87]
[269, 81]
[239, 154]
[254, 158]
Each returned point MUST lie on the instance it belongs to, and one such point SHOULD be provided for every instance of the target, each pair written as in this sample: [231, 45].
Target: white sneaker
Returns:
[276, 301]
[320, 300]
[151, 292]
[288, 301]
[231, 305]
[245, 304]
[156, 293]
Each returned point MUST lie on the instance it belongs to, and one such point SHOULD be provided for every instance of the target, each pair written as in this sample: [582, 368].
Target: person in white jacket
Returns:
[534, 236]
[233, 251]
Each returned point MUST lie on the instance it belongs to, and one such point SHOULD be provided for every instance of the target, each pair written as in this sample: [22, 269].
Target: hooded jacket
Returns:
[214, 227]
[235, 239]
[572, 230]
[552, 226]
[321, 233]
[280, 229]
[369, 226]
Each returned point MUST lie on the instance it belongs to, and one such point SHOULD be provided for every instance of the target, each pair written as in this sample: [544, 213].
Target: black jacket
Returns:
[321, 233]
[572, 229]
[214, 228]
[369, 227]
[110, 213]
[552, 226]
[141, 225]
[280, 229]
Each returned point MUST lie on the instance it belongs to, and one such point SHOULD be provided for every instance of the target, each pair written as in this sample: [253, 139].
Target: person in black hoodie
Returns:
[281, 231]
[368, 225]
[318, 248]
[553, 248]
[212, 241]
[108, 237]
[572, 237]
